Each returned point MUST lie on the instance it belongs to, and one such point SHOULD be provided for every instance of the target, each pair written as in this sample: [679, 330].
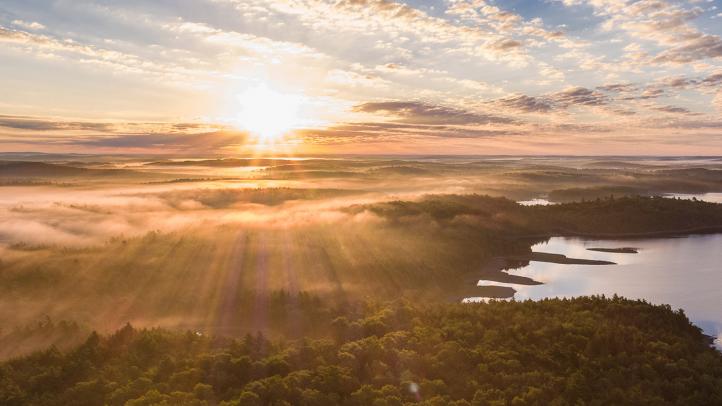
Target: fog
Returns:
[202, 248]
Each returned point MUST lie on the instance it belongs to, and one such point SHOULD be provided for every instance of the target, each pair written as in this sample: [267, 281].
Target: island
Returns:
[561, 259]
[622, 250]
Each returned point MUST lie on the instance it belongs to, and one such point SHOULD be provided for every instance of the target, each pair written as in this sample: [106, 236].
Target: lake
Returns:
[535, 202]
[705, 197]
[683, 272]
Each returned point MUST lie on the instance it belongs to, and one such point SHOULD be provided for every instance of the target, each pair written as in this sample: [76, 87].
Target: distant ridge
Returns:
[25, 169]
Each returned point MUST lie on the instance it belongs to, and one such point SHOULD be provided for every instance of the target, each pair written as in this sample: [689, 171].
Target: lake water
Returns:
[535, 202]
[683, 272]
[705, 197]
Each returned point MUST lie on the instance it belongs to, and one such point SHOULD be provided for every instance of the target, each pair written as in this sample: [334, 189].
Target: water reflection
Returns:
[480, 299]
[705, 197]
[682, 272]
[535, 202]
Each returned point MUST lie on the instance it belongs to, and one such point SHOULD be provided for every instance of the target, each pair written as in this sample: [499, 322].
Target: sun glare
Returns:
[267, 114]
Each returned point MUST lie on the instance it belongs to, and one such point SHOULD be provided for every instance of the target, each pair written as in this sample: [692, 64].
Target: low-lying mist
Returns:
[198, 250]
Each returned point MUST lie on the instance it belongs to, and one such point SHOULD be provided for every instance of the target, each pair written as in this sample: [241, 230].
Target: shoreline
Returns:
[621, 250]
[496, 269]
[634, 235]
[558, 259]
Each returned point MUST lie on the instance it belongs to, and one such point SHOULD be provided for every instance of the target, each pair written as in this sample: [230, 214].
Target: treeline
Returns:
[629, 215]
[590, 350]
[500, 217]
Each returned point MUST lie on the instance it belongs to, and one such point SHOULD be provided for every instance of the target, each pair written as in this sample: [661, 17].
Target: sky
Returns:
[225, 77]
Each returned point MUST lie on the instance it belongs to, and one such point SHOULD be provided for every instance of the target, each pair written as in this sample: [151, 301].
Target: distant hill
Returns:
[26, 169]
[221, 163]
[276, 163]
[618, 164]
[400, 170]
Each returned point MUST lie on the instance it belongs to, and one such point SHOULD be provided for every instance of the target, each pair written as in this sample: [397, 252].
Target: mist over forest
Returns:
[184, 243]
[286, 248]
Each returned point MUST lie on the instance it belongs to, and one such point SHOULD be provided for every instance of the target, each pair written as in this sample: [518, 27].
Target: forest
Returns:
[608, 215]
[587, 350]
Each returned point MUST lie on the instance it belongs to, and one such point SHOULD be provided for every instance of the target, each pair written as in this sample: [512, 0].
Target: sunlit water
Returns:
[535, 202]
[705, 197]
[683, 272]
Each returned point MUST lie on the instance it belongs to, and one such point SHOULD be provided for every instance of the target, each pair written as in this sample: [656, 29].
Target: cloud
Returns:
[527, 104]
[401, 27]
[649, 93]
[567, 98]
[671, 85]
[673, 109]
[462, 69]
[701, 47]
[481, 13]
[712, 80]
[414, 120]
[107, 59]
[397, 132]
[571, 128]
[618, 88]
[665, 23]
[616, 98]
[122, 135]
[689, 124]
[258, 46]
[424, 113]
[682, 82]
[666, 86]
[505, 44]
[579, 96]
[33, 25]
[196, 142]
[39, 124]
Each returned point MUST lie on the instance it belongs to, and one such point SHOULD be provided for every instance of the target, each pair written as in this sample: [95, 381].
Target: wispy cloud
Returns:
[415, 112]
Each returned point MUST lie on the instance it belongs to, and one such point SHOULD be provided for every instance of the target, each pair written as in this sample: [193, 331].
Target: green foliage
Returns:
[40, 334]
[590, 350]
[485, 215]
[630, 215]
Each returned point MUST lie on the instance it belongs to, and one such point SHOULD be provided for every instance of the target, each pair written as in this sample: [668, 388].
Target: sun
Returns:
[267, 114]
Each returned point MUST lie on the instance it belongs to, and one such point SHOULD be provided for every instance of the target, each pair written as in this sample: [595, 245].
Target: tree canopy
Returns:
[588, 350]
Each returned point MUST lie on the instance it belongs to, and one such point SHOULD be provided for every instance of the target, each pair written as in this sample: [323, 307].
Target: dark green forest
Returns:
[588, 350]
[609, 215]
